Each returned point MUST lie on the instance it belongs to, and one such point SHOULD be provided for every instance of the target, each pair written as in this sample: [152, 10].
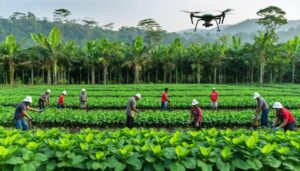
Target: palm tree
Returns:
[293, 50]
[138, 58]
[10, 50]
[52, 44]
[109, 51]
[196, 54]
[91, 51]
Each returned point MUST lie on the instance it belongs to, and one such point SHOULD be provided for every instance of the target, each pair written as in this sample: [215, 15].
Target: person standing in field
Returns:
[21, 112]
[262, 106]
[83, 99]
[164, 99]
[214, 99]
[45, 98]
[131, 110]
[196, 115]
[61, 100]
[286, 118]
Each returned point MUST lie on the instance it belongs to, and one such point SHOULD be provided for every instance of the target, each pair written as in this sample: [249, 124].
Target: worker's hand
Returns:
[40, 111]
[276, 129]
[30, 118]
[197, 124]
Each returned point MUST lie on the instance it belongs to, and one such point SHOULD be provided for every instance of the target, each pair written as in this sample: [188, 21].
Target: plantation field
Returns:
[181, 95]
[95, 139]
[149, 149]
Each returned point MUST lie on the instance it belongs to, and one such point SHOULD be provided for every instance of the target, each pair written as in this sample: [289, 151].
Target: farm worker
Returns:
[61, 100]
[214, 99]
[43, 99]
[262, 106]
[131, 109]
[21, 111]
[83, 99]
[196, 114]
[285, 116]
[164, 99]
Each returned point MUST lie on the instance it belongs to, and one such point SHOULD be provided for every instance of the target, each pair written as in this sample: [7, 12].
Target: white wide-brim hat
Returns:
[277, 105]
[138, 95]
[64, 92]
[28, 99]
[83, 90]
[195, 102]
[256, 95]
[48, 91]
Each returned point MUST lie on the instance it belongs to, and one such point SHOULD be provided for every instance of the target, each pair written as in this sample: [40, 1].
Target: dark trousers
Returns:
[41, 104]
[164, 106]
[60, 106]
[130, 121]
[264, 117]
[289, 126]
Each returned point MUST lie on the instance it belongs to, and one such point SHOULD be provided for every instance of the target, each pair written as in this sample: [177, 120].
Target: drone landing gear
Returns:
[217, 25]
[196, 24]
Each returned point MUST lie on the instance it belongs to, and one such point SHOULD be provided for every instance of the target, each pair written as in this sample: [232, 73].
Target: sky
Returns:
[130, 12]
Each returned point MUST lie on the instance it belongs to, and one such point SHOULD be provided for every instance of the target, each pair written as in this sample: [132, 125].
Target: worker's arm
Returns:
[26, 115]
[168, 100]
[48, 100]
[134, 109]
[32, 109]
[283, 124]
[191, 116]
[275, 122]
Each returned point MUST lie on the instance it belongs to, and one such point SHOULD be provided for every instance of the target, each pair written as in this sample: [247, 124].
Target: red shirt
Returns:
[214, 96]
[164, 97]
[285, 114]
[197, 114]
[61, 99]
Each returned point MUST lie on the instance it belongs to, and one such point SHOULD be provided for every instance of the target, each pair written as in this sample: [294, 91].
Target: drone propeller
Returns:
[191, 14]
[194, 12]
[221, 21]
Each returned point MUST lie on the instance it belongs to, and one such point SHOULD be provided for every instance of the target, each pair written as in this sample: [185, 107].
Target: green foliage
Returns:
[127, 149]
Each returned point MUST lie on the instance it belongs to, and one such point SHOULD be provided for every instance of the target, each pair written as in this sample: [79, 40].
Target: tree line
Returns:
[147, 60]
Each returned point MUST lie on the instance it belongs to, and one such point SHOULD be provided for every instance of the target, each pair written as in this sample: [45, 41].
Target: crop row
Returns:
[149, 149]
[114, 118]
[154, 102]
[172, 93]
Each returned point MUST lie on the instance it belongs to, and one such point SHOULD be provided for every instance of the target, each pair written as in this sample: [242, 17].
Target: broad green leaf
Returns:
[177, 167]
[158, 166]
[99, 155]
[205, 151]
[271, 161]
[204, 166]
[226, 152]
[295, 144]
[189, 163]
[89, 137]
[251, 141]
[51, 165]
[135, 161]
[14, 160]
[222, 166]
[268, 148]
[238, 163]
[283, 150]
[3, 152]
[181, 151]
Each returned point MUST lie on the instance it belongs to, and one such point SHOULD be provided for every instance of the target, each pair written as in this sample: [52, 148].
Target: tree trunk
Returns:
[49, 75]
[88, 76]
[170, 77]
[105, 73]
[293, 73]
[32, 76]
[261, 73]
[68, 76]
[252, 73]
[55, 72]
[176, 75]
[182, 76]
[165, 76]
[11, 73]
[79, 76]
[23, 76]
[93, 75]
[156, 76]
[127, 76]
[136, 74]
[198, 75]
[215, 75]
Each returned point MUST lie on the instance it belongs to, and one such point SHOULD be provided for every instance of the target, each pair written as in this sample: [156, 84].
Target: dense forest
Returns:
[71, 52]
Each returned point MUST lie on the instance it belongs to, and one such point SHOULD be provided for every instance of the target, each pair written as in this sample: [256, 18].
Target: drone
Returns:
[208, 18]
